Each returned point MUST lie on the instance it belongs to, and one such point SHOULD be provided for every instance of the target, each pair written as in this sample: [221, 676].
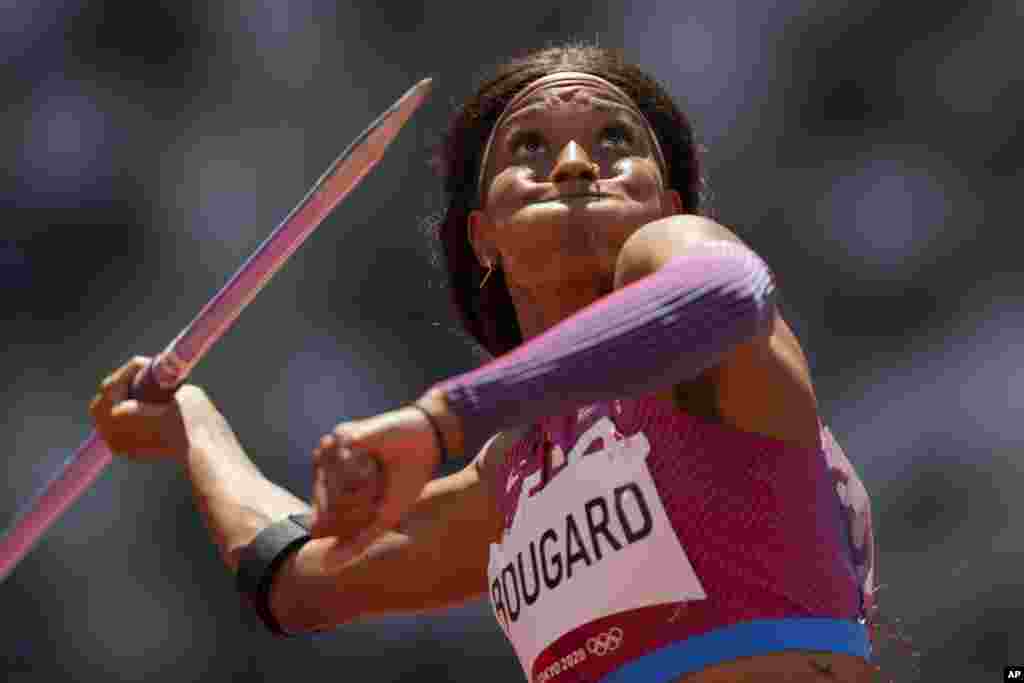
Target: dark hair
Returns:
[488, 314]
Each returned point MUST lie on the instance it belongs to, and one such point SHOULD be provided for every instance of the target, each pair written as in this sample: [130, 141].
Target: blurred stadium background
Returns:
[869, 151]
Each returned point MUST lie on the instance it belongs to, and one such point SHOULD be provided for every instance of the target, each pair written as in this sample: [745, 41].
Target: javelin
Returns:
[171, 367]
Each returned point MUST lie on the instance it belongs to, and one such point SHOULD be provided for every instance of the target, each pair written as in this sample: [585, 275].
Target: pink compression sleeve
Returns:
[663, 329]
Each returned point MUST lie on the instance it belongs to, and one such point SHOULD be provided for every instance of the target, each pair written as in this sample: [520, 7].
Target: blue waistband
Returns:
[747, 639]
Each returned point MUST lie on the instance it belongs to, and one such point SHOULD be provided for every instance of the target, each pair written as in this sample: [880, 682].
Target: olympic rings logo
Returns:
[606, 642]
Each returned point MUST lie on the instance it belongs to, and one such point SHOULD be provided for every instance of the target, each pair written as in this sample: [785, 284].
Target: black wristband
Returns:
[261, 559]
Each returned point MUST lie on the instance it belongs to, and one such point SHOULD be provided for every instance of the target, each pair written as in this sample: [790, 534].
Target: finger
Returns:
[345, 486]
[326, 444]
[114, 376]
[319, 503]
[98, 406]
[343, 434]
[354, 469]
[132, 407]
[341, 509]
[363, 465]
[377, 521]
[347, 467]
[127, 371]
[120, 381]
[101, 403]
[333, 513]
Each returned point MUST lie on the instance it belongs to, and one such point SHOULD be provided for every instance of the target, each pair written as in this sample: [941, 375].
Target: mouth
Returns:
[575, 195]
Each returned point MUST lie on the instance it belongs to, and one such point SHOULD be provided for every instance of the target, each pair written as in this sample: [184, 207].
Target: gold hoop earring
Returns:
[490, 269]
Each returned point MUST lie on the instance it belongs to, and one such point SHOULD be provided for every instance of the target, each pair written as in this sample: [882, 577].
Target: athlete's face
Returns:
[571, 174]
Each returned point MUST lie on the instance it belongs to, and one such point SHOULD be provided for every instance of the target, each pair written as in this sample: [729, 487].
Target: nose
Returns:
[573, 163]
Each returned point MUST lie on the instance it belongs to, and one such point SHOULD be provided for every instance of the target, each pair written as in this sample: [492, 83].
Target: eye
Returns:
[617, 135]
[526, 143]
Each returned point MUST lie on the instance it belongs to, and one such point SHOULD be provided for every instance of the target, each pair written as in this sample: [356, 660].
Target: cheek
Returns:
[639, 178]
[505, 186]
[508, 191]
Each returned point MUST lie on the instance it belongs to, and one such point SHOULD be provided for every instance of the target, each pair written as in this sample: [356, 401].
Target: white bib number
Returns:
[596, 540]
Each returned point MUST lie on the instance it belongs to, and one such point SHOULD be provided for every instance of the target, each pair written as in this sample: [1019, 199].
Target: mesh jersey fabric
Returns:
[772, 531]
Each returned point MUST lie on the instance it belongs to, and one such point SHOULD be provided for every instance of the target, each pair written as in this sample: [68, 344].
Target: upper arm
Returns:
[764, 384]
[437, 557]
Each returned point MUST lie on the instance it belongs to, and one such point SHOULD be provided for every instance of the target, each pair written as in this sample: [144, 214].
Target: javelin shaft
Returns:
[70, 482]
[172, 366]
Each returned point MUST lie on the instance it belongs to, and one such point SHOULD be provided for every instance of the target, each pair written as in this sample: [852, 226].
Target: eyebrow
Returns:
[512, 128]
[538, 104]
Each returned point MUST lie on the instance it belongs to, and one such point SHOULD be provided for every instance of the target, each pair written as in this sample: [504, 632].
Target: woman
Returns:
[655, 498]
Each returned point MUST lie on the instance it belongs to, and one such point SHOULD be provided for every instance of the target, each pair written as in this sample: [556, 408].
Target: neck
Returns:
[540, 308]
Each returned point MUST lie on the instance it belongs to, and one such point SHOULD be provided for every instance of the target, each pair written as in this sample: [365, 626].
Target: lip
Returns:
[574, 195]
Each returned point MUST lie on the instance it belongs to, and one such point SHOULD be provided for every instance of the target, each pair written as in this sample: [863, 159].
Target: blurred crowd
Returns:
[869, 151]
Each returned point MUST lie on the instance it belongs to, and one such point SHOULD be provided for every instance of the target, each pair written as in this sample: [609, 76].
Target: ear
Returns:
[672, 201]
[478, 231]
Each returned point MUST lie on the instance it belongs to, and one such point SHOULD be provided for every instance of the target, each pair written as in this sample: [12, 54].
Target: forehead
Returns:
[555, 98]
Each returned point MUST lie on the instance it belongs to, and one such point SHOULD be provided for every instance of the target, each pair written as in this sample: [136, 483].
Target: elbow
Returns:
[303, 599]
[764, 309]
[296, 621]
[289, 617]
[727, 275]
[293, 615]
[751, 297]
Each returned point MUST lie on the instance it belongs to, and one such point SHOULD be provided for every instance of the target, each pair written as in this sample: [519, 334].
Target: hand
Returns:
[348, 483]
[145, 431]
[367, 476]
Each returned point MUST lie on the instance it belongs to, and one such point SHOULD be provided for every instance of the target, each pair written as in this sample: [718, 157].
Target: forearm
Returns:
[234, 498]
[437, 557]
[666, 328]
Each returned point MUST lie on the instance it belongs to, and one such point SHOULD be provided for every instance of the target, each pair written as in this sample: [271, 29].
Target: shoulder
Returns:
[657, 242]
[689, 228]
[762, 385]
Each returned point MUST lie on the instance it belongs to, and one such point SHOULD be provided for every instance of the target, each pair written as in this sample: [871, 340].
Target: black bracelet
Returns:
[437, 431]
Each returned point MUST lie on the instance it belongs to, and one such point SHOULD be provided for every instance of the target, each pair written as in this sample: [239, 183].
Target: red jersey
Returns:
[642, 543]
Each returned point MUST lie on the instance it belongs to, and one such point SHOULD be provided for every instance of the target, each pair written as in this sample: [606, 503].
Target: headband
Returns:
[569, 78]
